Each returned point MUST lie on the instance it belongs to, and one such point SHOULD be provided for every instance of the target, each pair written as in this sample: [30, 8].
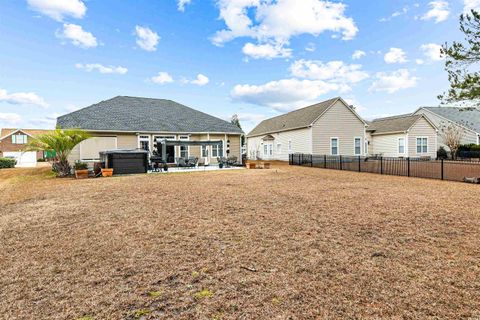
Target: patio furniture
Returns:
[201, 162]
[181, 162]
[232, 160]
[192, 161]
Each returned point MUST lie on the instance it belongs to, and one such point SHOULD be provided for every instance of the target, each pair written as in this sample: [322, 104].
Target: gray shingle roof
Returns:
[144, 115]
[399, 123]
[300, 118]
[468, 117]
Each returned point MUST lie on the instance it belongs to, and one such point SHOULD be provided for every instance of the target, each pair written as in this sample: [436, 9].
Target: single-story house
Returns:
[13, 142]
[467, 119]
[331, 127]
[131, 122]
[403, 136]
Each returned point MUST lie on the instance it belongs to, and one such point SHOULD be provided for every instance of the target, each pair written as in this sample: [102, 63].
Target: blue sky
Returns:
[256, 58]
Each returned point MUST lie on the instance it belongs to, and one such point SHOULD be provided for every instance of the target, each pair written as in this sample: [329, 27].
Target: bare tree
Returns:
[452, 136]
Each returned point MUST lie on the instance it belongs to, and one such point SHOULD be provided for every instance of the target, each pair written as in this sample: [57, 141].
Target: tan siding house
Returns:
[126, 123]
[403, 136]
[466, 119]
[329, 127]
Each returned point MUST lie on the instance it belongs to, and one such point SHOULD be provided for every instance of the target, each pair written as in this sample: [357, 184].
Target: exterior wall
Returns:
[6, 145]
[386, 145]
[300, 140]
[468, 138]
[130, 141]
[338, 122]
[422, 128]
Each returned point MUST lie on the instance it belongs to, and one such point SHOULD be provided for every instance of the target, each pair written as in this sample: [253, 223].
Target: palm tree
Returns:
[62, 143]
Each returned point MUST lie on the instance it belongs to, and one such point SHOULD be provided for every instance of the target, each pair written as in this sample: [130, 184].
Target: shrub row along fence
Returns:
[408, 167]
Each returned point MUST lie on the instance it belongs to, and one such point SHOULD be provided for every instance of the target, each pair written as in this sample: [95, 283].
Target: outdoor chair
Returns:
[192, 161]
[232, 160]
[181, 162]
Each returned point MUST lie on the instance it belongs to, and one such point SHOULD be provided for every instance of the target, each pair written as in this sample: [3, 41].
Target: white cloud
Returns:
[101, 68]
[399, 13]
[201, 80]
[266, 51]
[310, 47]
[77, 36]
[393, 82]
[182, 3]
[395, 55]
[358, 54]
[432, 51]
[9, 119]
[419, 61]
[147, 39]
[58, 9]
[470, 5]
[283, 95]
[162, 78]
[22, 98]
[439, 11]
[333, 72]
[275, 22]
[251, 117]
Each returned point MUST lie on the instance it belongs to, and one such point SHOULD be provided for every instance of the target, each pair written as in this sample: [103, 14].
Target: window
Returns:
[270, 147]
[279, 148]
[289, 145]
[217, 150]
[265, 149]
[144, 142]
[19, 139]
[204, 151]
[184, 149]
[422, 145]
[401, 145]
[334, 146]
[358, 146]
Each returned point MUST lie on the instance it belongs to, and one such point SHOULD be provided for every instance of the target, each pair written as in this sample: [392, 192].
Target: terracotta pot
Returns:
[251, 165]
[266, 165]
[81, 174]
[107, 172]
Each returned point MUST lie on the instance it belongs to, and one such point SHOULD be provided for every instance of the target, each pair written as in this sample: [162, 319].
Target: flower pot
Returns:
[251, 165]
[107, 172]
[81, 174]
[266, 165]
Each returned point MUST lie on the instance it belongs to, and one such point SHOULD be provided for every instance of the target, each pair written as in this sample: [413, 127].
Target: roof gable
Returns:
[132, 114]
[396, 124]
[297, 119]
[468, 117]
[6, 132]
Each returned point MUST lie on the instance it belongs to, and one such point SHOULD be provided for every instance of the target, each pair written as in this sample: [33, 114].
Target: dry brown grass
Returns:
[299, 243]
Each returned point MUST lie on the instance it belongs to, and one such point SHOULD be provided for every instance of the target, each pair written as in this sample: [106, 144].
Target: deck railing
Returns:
[409, 167]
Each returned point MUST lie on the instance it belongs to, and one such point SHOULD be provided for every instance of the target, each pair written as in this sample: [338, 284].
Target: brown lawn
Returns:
[286, 243]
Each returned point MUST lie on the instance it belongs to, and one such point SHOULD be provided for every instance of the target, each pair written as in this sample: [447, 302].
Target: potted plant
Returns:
[107, 172]
[81, 170]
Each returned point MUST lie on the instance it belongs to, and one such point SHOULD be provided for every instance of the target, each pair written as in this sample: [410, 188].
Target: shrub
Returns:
[7, 163]
[442, 153]
[80, 166]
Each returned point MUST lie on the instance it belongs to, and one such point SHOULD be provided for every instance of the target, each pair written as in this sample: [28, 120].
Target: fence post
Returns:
[325, 161]
[359, 164]
[341, 167]
[408, 166]
[442, 168]
[381, 165]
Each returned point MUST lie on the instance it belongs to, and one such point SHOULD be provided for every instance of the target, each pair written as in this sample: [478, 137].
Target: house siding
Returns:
[300, 140]
[386, 145]
[422, 128]
[468, 137]
[339, 122]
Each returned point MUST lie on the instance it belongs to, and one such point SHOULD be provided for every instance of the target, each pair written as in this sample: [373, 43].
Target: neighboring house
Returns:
[331, 127]
[131, 123]
[403, 136]
[467, 119]
[13, 143]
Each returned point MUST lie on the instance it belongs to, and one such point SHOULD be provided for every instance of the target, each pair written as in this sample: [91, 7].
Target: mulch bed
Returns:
[285, 243]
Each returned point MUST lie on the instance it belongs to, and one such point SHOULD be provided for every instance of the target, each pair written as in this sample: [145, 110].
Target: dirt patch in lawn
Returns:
[287, 243]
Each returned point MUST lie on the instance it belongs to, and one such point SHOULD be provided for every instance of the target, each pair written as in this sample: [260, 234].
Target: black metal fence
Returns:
[408, 167]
